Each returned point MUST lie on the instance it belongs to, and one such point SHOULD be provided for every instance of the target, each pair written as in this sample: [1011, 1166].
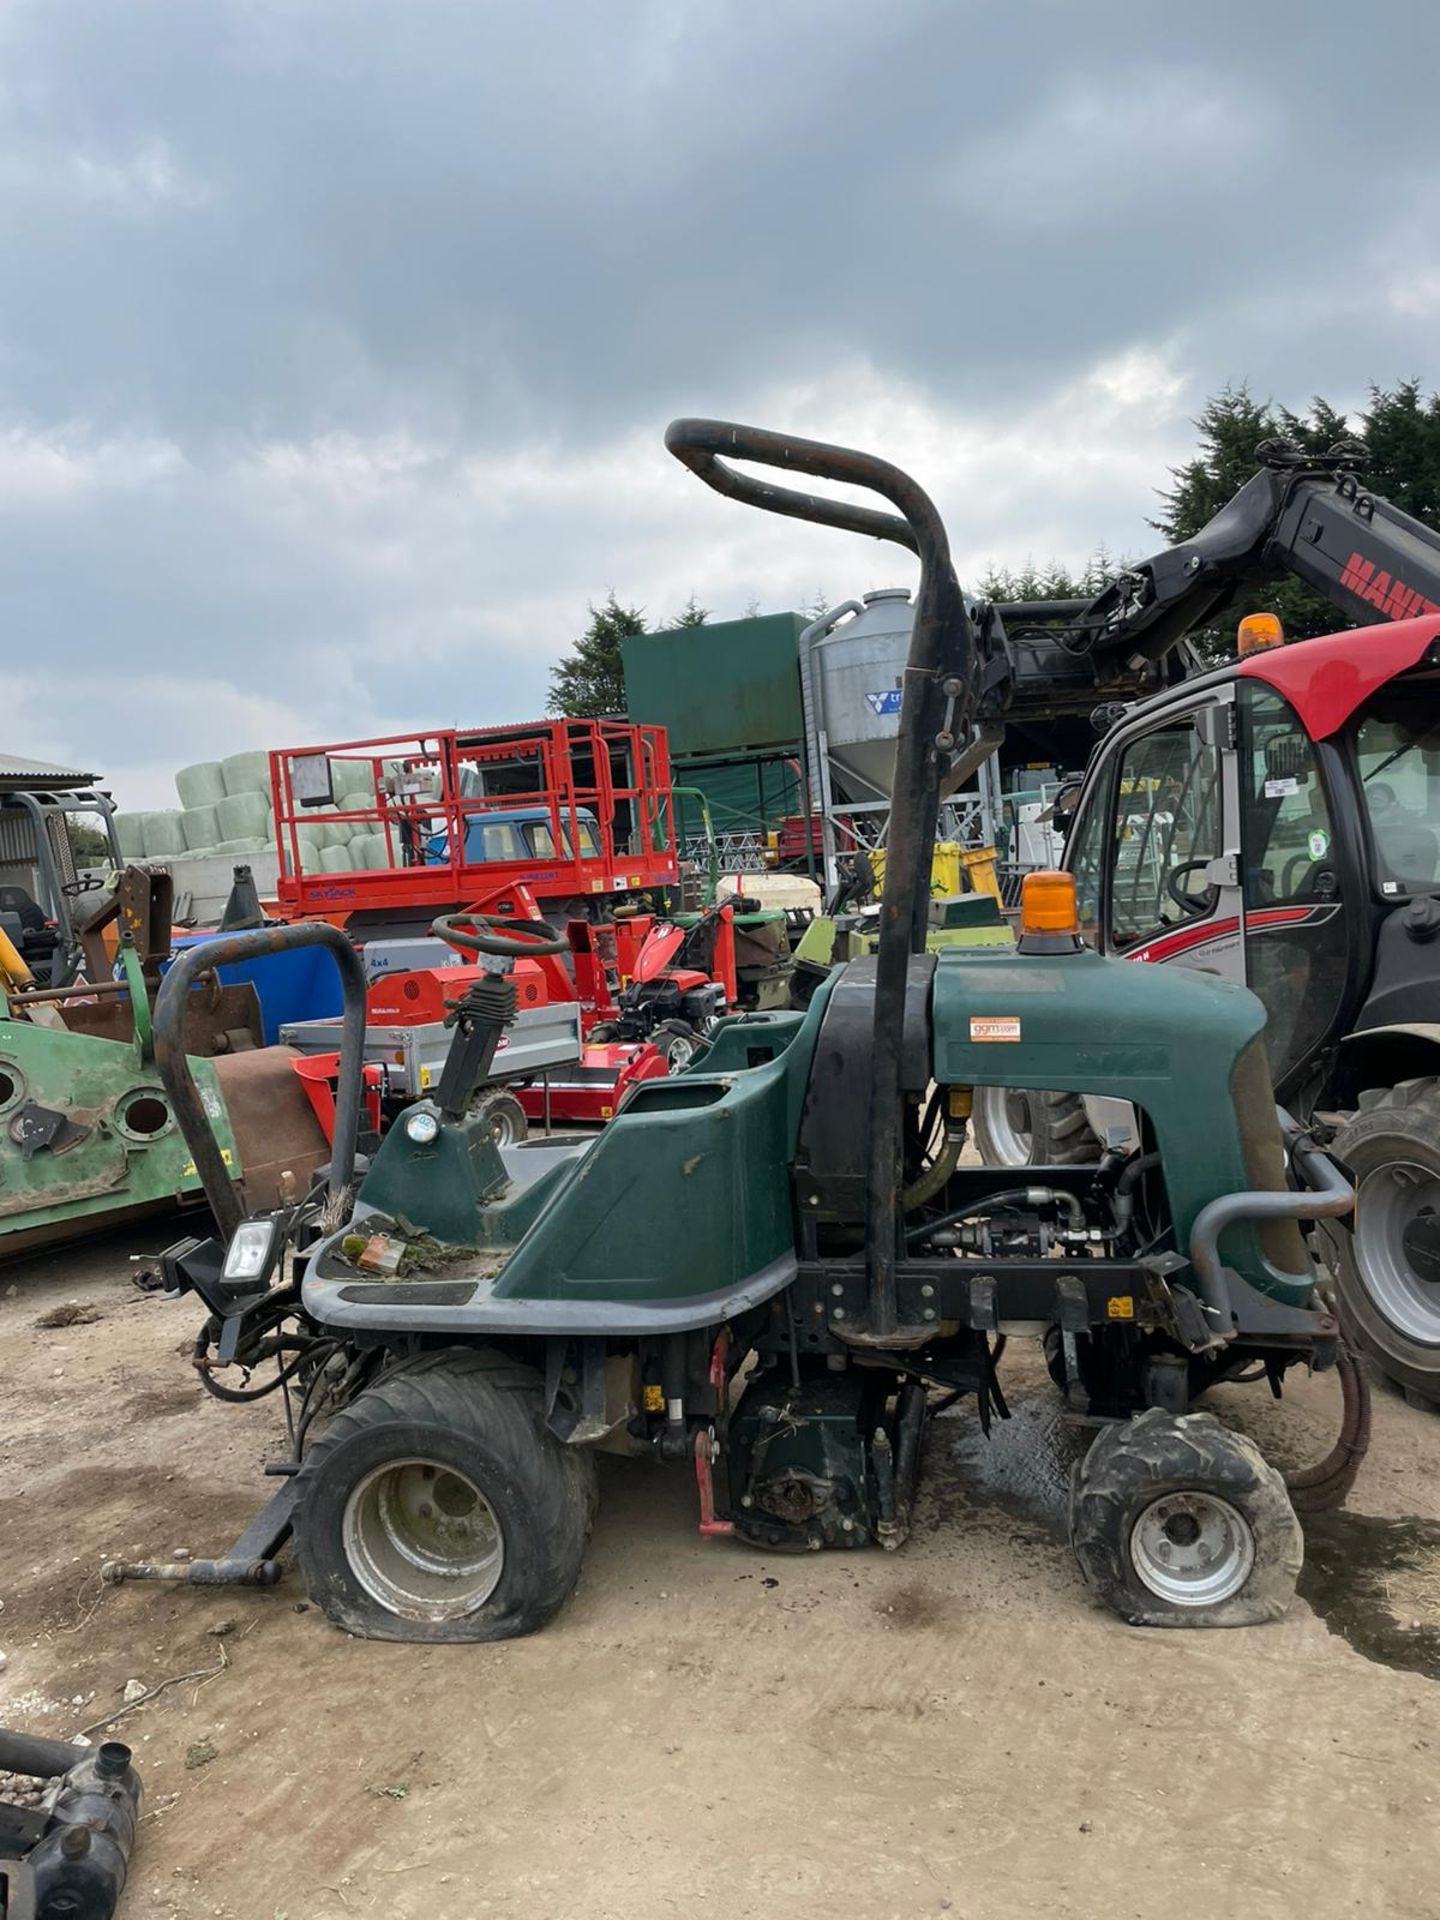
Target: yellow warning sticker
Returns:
[1121, 1306]
[187, 1172]
[424, 1076]
[994, 1026]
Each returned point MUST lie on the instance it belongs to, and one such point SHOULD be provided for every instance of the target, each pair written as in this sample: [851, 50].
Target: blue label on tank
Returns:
[887, 702]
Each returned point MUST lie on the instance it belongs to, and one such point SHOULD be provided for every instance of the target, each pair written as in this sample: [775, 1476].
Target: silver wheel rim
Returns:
[679, 1052]
[1192, 1549]
[1009, 1125]
[1389, 1202]
[422, 1540]
[503, 1130]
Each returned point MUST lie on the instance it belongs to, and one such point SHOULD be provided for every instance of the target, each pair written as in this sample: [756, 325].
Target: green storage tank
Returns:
[726, 688]
[745, 796]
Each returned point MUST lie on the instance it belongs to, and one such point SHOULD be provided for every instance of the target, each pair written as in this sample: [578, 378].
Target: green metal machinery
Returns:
[769, 1268]
[88, 1135]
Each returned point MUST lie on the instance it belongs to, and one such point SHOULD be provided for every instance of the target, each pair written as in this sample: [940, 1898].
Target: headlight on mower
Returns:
[251, 1255]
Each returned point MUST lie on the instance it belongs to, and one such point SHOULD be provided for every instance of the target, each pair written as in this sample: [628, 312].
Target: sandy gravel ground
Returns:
[953, 1729]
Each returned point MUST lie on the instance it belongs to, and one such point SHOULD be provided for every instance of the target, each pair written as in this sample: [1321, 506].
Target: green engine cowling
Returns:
[1186, 1048]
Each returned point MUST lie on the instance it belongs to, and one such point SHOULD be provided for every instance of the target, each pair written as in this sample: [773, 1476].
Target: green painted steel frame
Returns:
[114, 1167]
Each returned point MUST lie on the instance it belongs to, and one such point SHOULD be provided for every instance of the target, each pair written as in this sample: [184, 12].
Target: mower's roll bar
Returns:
[173, 1062]
[937, 713]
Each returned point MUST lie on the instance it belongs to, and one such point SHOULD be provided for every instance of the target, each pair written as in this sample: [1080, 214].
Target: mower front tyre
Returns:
[1178, 1522]
[438, 1507]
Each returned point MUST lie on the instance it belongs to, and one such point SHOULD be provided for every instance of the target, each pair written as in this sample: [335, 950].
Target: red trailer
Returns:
[384, 834]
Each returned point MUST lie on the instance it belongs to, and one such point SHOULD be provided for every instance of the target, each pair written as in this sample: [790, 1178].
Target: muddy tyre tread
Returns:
[1135, 1462]
[482, 1413]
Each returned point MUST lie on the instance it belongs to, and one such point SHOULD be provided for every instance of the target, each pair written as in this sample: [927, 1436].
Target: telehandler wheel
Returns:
[1389, 1270]
[1178, 1522]
[1020, 1127]
[436, 1507]
[506, 1116]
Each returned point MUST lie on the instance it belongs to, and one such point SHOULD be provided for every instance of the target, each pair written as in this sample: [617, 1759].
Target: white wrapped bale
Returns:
[243, 816]
[200, 827]
[201, 785]
[242, 845]
[246, 773]
[353, 777]
[335, 860]
[164, 838]
[312, 845]
[130, 832]
[369, 852]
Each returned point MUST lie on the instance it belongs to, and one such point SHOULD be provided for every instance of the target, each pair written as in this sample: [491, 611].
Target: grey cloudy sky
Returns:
[338, 337]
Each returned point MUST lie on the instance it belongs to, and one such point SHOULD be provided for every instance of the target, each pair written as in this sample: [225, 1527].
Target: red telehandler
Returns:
[1275, 821]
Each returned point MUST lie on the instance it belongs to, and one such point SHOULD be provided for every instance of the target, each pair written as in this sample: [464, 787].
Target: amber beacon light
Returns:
[1047, 904]
[1258, 631]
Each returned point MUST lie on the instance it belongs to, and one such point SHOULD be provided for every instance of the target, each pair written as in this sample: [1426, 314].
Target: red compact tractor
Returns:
[632, 998]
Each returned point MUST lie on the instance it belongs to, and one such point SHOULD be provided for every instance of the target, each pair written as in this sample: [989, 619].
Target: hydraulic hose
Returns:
[1324, 1486]
[1028, 1197]
[927, 1184]
[1122, 1201]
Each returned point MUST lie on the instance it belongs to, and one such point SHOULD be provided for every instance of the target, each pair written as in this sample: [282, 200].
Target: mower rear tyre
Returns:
[1178, 1522]
[438, 1507]
[1021, 1127]
[1388, 1270]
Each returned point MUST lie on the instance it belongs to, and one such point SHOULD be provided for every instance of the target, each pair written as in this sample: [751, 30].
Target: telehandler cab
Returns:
[765, 1265]
[1274, 820]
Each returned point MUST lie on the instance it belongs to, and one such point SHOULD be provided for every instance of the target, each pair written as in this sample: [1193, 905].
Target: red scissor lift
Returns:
[566, 817]
[576, 810]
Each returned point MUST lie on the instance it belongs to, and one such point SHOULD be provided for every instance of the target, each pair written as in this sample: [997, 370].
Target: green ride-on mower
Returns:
[457, 1328]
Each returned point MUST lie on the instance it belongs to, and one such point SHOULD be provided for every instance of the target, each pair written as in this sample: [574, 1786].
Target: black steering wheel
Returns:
[1192, 903]
[505, 939]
